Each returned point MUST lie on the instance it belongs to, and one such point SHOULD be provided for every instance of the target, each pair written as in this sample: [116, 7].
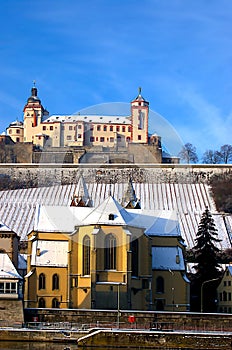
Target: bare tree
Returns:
[188, 153]
[226, 153]
[211, 157]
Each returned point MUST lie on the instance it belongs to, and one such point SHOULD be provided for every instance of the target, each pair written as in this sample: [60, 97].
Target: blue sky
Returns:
[87, 52]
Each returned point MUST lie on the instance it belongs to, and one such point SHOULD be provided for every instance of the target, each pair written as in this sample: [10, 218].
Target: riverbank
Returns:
[122, 338]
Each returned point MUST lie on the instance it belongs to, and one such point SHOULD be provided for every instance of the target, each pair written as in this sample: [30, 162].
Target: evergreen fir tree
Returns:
[207, 267]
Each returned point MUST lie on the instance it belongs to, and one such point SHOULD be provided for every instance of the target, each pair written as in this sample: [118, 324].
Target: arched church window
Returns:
[55, 281]
[55, 303]
[42, 303]
[42, 281]
[159, 284]
[86, 256]
[110, 252]
[135, 257]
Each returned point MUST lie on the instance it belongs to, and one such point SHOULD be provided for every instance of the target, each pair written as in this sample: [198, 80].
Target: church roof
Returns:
[109, 212]
[168, 258]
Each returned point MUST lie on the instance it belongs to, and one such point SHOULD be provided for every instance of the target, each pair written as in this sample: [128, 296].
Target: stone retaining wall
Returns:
[34, 175]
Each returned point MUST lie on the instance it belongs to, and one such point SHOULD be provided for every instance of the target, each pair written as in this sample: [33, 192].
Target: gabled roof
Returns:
[101, 214]
[7, 269]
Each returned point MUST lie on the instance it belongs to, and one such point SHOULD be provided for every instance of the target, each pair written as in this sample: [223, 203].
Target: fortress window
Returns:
[51, 127]
[111, 128]
[105, 128]
[102, 139]
[123, 128]
[44, 127]
[117, 128]
[17, 131]
[70, 127]
[98, 127]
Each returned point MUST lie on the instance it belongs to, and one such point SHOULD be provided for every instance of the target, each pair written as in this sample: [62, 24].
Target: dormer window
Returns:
[111, 216]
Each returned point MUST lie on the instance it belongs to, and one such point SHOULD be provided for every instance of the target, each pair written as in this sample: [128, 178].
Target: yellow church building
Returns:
[109, 256]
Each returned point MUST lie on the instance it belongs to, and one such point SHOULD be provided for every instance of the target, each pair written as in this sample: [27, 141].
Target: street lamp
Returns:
[208, 281]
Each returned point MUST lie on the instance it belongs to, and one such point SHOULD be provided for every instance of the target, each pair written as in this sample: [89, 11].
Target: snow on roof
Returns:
[49, 253]
[7, 269]
[59, 218]
[4, 228]
[18, 207]
[109, 212]
[103, 119]
[168, 258]
[22, 261]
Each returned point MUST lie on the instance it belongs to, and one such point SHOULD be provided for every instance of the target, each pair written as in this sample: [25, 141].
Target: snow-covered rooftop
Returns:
[104, 119]
[7, 269]
[168, 258]
[49, 253]
[178, 202]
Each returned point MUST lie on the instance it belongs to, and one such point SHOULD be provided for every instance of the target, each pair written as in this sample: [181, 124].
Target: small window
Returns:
[42, 281]
[123, 128]
[10, 131]
[79, 126]
[55, 303]
[98, 127]
[91, 139]
[139, 137]
[111, 128]
[117, 128]
[102, 139]
[111, 216]
[51, 127]
[17, 131]
[111, 139]
[17, 139]
[69, 137]
[159, 285]
[42, 303]
[44, 127]
[105, 128]
[70, 127]
[55, 281]
[79, 136]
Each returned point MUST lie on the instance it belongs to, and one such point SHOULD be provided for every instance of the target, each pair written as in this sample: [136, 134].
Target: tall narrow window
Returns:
[86, 256]
[110, 252]
[55, 281]
[159, 284]
[41, 302]
[42, 281]
[135, 257]
[55, 303]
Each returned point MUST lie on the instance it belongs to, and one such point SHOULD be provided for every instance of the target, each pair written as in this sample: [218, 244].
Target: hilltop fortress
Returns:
[88, 138]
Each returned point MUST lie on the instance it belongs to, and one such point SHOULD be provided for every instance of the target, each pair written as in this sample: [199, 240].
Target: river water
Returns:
[56, 346]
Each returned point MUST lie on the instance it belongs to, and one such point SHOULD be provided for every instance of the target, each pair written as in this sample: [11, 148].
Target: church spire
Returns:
[81, 196]
[129, 200]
